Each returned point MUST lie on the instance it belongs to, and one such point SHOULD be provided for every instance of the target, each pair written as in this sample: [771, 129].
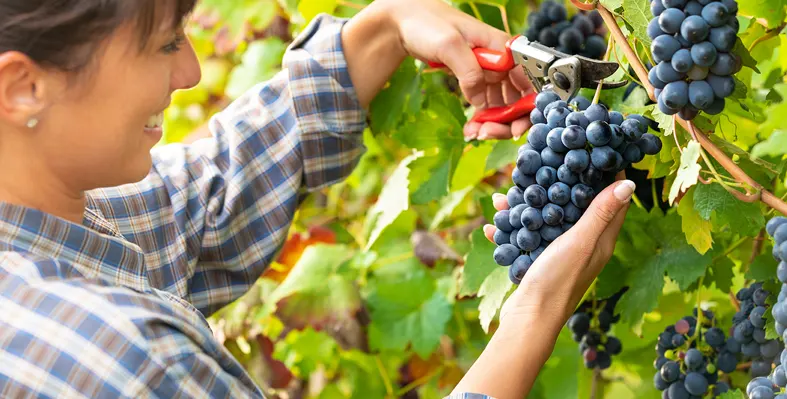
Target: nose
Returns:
[186, 72]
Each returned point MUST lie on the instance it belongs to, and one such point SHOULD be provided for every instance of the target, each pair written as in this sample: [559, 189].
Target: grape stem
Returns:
[769, 34]
[384, 375]
[350, 4]
[583, 6]
[765, 196]
[594, 382]
[743, 366]
[504, 16]
[610, 46]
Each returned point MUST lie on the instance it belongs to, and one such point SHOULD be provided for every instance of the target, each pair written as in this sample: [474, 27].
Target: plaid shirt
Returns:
[116, 306]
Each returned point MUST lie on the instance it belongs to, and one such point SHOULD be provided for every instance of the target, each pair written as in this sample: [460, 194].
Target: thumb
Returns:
[603, 209]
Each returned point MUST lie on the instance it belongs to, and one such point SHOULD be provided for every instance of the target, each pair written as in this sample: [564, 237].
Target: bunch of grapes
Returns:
[589, 326]
[690, 358]
[749, 330]
[549, 25]
[571, 154]
[692, 43]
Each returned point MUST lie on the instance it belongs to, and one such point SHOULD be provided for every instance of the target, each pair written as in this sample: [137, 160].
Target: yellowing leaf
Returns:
[697, 229]
[311, 8]
[393, 200]
[688, 172]
[492, 292]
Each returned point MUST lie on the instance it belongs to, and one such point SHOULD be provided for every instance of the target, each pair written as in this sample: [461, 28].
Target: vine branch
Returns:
[765, 196]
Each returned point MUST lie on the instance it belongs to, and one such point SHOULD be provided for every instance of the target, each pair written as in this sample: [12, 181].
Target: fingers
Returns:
[602, 212]
[500, 203]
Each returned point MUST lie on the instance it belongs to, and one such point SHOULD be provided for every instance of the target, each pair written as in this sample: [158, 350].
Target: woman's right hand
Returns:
[561, 275]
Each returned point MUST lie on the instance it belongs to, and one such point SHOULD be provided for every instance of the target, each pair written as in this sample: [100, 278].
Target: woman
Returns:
[113, 254]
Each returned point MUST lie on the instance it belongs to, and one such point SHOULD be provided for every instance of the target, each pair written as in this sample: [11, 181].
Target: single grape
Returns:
[696, 383]
[650, 144]
[557, 13]
[760, 368]
[694, 359]
[700, 94]
[722, 86]
[618, 136]
[716, 107]
[537, 136]
[670, 371]
[677, 391]
[682, 61]
[591, 176]
[584, 25]
[682, 326]
[571, 213]
[566, 175]
[501, 237]
[724, 65]
[580, 102]
[519, 268]
[692, 8]
[522, 180]
[528, 240]
[613, 346]
[545, 98]
[656, 8]
[675, 94]
[723, 38]
[513, 237]
[694, 29]
[663, 47]
[534, 254]
[697, 72]
[551, 158]
[571, 39]
[582, 195]
[703, 54]
[597, 112]
[598, 133]
[726, 362]
[556, 104]
[574, 137]
[556, 117]
[604, 158]
[664, 108]
[529, 162]
[531, 219]
[759, 382]
[761, 393]
[715, 14]
[546, 176]
[559, 193]
[674, 3]
[577, 160]
[505, 254]
[732, 6]
[552, 214]
[671, 19]
[536, 116]
[536, 196]
[550, 233]
[633, 153]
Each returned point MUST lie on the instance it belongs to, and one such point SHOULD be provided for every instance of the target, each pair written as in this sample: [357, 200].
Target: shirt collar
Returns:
[95, 248]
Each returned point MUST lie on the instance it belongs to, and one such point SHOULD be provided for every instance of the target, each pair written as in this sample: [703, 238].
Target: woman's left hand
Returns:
[432, 30]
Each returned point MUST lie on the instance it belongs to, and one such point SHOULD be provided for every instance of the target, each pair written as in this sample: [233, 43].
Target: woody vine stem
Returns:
[701, 137]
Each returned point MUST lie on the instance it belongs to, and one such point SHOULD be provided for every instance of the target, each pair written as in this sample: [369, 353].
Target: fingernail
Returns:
[498, 196]
[488, 228]
[624, 190]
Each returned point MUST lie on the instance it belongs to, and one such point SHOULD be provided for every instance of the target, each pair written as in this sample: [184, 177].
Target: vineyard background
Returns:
[386, 287]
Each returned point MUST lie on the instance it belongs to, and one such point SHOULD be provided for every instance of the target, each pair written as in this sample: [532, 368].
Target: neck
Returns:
[32, 187]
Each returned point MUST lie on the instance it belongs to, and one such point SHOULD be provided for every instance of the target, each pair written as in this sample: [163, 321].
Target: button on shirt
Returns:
[115, 306]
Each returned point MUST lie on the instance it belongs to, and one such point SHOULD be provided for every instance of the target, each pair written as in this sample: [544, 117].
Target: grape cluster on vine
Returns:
[692, 47]
[590, 325]
[550, 26]
[572, 152]
[748, 330]
[691, 354]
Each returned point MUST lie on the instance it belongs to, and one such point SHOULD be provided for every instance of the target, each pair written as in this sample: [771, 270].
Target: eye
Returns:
[175, 45]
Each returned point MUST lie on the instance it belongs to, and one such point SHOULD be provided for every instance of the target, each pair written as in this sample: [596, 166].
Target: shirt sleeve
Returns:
[212, 215]
[468, 395]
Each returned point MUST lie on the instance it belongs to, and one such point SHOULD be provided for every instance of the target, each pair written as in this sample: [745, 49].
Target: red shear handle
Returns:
[490, 60]
[508, 113]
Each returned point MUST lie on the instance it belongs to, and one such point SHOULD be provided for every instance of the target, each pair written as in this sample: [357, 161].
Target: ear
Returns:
[23, 88]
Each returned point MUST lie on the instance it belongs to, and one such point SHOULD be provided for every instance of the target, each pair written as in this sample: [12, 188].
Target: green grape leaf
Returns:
[713, 200]
[637, 14]
[260, 62]
[430, 129]
[612, 4]
[492, 292]
[763, 268]
[393, 200]
[303, 352]
[775, 145]
[665, 122]
[740, 90]
[447, 207]
[389, 105]
[406, 308]
[736, 394]
[360, 375]
[437, 171]
[722, 274]
[478, 264]
[611, 279]
[470, 170]
[649, 281]
[316, 291]
[772, 11]
[696, 229]
[503, 153]
[688, 172]
[748, 61]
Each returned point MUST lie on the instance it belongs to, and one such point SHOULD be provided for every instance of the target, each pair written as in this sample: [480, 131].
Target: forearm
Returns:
[373, 50]
[511, 361]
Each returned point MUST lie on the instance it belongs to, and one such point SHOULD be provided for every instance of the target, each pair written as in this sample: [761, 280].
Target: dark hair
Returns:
[65, 34]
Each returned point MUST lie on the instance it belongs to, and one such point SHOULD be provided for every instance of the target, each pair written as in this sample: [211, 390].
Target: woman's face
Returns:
[98, 130]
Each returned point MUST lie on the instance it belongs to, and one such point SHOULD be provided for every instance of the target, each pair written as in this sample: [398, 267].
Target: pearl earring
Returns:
[33, 122]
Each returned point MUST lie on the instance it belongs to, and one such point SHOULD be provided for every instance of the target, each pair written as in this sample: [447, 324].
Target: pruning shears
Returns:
[547, 68]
